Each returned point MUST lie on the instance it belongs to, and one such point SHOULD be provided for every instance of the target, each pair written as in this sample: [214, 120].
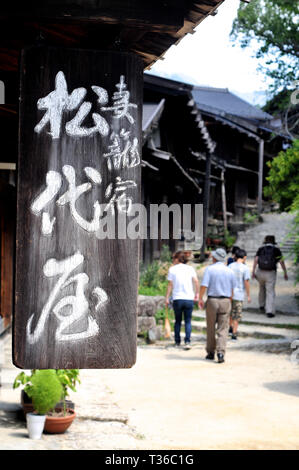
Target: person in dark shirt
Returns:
[232, 259]
[264, 270]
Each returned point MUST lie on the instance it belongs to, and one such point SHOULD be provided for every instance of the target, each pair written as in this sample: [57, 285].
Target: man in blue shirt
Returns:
[219, 283]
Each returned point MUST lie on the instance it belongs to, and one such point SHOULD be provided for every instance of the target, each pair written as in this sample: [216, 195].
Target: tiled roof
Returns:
[222, 102]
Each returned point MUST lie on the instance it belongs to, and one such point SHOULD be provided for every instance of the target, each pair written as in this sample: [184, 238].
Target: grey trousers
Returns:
[267, 280]
[217, 315]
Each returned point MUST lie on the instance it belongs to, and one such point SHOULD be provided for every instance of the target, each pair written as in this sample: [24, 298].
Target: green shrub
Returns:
[250, 218]
[166, 256]
[153, 278]
[45, 390]
[229, 240]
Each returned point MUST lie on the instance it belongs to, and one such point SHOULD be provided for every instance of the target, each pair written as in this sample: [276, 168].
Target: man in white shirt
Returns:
[219, 283]
[184, 285]
[242, 275]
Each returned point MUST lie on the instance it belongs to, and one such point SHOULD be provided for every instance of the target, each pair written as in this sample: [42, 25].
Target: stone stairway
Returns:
[275, 224]
[255, 332]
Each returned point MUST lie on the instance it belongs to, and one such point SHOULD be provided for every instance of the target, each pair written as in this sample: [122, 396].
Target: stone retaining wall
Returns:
[147, 308]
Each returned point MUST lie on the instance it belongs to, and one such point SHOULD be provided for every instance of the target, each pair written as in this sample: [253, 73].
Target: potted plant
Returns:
[24, 380]
[45, 390]
[59, 420]
[62, 414]
[68, 379]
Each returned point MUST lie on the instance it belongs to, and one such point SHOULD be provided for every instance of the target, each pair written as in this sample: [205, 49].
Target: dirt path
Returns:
[178, 400]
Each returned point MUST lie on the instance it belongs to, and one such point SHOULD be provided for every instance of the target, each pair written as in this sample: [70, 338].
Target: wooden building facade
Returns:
[204, 145]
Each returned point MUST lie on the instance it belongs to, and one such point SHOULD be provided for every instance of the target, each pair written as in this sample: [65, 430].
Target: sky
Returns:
[209, 57]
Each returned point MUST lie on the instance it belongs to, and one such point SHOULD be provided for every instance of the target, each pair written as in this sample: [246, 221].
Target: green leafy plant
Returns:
[45, 390]
[272, 26]
[153, 278]
[250, 218]
[283, 187]
[283, 178]
[23, 379]
[166, 256]
[68, 378]
[229, 240]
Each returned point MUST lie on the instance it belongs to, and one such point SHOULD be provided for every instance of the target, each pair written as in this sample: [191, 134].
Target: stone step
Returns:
[273, 345]
[258, 318]
[255, 331]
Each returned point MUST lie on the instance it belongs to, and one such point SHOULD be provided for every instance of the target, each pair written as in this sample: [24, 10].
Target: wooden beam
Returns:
[154, 13]
[223, 198]
[261, 176]
[206, 203]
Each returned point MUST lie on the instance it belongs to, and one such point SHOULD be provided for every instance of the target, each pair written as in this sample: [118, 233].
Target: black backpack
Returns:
[266, 259]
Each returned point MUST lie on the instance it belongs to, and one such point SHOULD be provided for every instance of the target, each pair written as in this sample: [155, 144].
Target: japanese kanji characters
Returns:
[64, 187]
[77, 303]
[115, 194]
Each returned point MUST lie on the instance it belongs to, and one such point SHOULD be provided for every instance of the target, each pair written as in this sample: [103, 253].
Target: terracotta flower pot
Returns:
[59, 424]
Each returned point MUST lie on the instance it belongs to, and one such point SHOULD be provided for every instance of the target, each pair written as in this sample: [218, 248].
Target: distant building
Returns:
[204, 145]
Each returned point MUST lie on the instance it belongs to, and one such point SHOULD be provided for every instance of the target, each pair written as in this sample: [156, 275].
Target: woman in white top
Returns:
[184, 285]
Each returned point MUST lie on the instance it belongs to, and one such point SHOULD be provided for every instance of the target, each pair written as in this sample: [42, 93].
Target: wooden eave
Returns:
[146, 28]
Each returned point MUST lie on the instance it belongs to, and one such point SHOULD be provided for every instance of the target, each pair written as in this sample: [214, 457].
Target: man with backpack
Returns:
[266, 259]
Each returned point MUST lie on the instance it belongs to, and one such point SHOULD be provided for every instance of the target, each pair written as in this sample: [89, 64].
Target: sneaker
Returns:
[187, 346]
[234, 337]
[177, 345]
[270, 315]
[210, 356]
[220, 357]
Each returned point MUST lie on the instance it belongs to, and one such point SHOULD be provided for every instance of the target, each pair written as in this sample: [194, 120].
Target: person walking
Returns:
[219, 283]
[242, 275]
[184, 286]
[232, 258]
[265, 271]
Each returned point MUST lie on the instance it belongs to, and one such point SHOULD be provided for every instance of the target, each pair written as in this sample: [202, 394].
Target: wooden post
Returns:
[261, 176]
[79, 154]
[223, 197]
[206, 201]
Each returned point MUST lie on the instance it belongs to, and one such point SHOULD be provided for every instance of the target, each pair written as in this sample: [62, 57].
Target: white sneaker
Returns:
[187, 346]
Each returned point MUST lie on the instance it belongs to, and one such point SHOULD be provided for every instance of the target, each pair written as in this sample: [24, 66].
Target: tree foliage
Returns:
[283, 187]
[274, 25]
[283, 178]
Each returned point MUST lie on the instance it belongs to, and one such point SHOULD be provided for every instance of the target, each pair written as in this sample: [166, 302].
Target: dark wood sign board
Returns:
[79, 149]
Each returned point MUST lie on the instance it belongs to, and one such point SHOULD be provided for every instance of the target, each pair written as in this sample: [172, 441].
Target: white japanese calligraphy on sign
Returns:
[79, 307]
[122, 152]
[115, 194]
[58, 101]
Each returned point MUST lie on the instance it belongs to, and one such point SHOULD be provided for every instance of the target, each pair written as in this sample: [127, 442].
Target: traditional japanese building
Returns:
[204, 145]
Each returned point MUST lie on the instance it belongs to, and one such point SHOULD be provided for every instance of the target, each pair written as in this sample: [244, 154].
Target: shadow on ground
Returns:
[288, 387]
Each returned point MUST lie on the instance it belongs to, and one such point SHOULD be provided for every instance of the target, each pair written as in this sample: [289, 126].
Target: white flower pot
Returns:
[35, 425]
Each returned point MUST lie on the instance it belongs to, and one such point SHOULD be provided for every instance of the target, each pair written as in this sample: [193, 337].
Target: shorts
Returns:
[236, 311]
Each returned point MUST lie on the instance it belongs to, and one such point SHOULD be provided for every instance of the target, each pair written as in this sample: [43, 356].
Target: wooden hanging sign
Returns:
[76, 279]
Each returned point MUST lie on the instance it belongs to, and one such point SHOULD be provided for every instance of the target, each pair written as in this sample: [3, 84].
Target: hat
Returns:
[219, 254]
[270, 239]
